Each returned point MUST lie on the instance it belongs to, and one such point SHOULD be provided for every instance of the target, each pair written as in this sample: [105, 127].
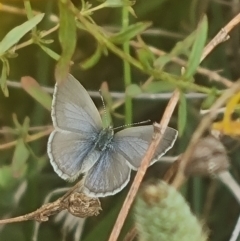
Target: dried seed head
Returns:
[208, 158]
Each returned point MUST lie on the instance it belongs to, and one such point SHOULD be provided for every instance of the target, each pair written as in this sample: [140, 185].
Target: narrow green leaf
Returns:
[32, 87]
[16, 122]
[130, 32]
[25, 127]
[182, 114]
[131, 11]
[21, 130]
[67, 38]
[211, 98]
[90, 62]
[197, 49]
[158, 87]
[181, 47]
[20, 157]
[118, 3]
[49, 52]
[18, 32]
[3, 80]
[28, 9]
[133, 90]
[146, 57]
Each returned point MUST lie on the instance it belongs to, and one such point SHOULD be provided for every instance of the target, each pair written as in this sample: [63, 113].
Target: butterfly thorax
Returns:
[104, 138]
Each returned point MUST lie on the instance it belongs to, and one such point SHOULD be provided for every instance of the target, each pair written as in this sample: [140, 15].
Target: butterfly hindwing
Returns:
[109, 175]
[133, 143]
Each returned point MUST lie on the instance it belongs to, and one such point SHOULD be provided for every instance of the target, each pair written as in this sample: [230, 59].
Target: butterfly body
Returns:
[80, 145]
[104, 139]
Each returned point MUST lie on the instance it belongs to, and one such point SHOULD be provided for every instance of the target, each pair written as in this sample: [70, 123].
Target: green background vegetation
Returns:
[26, 176]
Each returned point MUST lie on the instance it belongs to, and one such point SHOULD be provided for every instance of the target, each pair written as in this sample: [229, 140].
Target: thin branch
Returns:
[22, 11]
[236, 231]
[29, 138]
[222, 36]
[31, 41]
[212, 75]
[78, 204]
[122, 95]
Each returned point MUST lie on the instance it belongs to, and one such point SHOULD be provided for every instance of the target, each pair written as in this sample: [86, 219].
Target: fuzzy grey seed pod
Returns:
[162, 214]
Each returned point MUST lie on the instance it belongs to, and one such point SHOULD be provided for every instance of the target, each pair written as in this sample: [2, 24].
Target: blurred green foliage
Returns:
[90, 46]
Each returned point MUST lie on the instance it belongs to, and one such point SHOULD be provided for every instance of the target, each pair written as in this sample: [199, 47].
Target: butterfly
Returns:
[80, 145]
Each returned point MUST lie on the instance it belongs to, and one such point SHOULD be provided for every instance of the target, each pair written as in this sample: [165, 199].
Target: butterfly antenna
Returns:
[104, 109]
[133, 124]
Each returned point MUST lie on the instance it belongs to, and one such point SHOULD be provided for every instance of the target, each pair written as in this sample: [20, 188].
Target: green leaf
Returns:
[211, 98]
[146, 57]
[6, 178]
[25, 127]
[3, 80]
[90, 62]
[50, 52]
[182, 114]
[197, 49]
[21, 130]
[20, 157]
[158, 87]
[182, 47]
[18, 32]
[130, 32]
[67, 38]
[133, 90]
[32, 87]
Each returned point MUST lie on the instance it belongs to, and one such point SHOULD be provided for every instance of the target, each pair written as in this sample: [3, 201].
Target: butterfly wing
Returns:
[132, 143]
[77, 123]
[109, 175]
[73, 109]
[71, 154]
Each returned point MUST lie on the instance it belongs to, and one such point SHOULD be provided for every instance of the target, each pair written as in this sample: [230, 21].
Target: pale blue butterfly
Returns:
[80, 145]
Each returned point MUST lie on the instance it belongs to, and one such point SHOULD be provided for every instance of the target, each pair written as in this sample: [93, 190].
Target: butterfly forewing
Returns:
[77, 123]
[109, 175]
[133, 143]
[73, 109]
[71, 154]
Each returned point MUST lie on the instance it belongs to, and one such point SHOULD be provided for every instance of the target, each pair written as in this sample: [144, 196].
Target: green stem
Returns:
[86, 12]
[126, 68]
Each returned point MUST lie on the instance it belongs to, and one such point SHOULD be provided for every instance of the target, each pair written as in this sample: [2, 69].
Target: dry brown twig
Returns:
[78, 204]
